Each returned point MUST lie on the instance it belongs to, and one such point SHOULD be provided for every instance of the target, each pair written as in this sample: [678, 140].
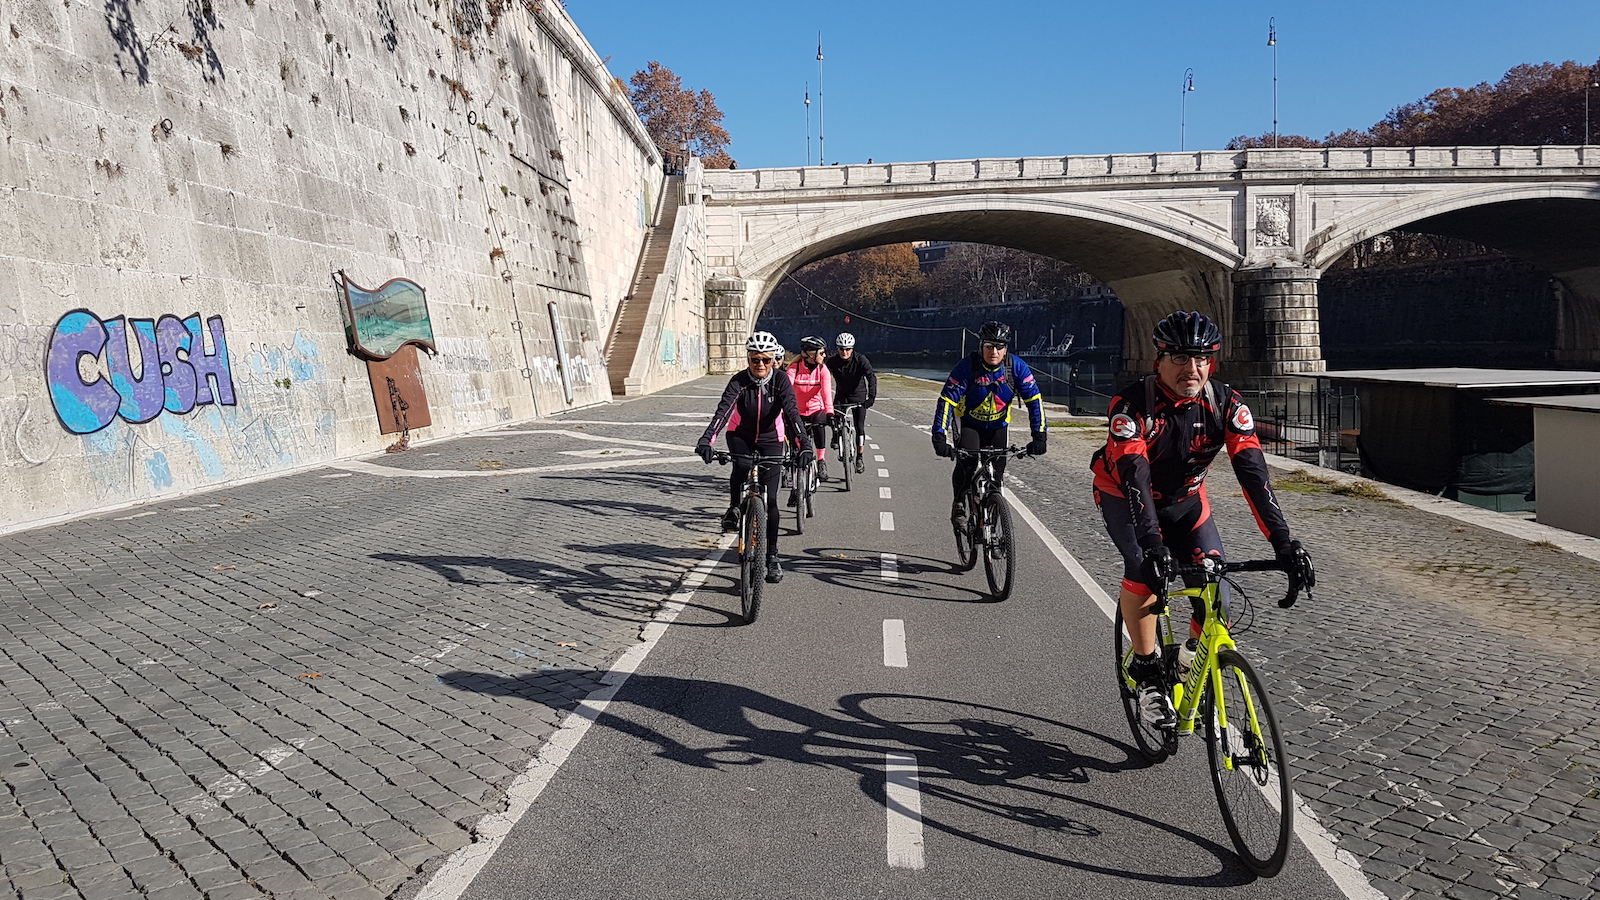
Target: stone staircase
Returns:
[623, 347]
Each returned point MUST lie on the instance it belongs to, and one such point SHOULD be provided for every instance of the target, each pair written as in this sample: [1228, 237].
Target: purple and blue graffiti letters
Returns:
[176, 373]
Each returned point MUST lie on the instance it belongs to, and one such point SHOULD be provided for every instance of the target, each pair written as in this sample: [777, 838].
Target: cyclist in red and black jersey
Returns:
[1149, 482]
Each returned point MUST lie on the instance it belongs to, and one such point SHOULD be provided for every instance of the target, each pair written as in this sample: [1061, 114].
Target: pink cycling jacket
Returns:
[813, 387]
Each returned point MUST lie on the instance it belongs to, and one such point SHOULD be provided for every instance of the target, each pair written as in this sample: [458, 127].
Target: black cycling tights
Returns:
[769, 479]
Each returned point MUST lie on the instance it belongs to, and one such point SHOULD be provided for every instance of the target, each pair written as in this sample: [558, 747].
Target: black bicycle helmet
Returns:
[998, 332]
[812, 343]
[1186, 332]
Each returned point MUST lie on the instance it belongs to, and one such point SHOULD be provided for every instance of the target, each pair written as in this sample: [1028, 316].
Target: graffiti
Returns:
[176, 373]
[464, 361]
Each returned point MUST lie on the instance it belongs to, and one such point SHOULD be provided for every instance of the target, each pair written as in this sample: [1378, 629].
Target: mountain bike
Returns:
[801, 482]
[752, 530]
[1222, 690]
[844, 441]
[988, 529]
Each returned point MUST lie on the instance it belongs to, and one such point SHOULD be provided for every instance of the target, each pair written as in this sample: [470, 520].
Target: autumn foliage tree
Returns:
[675, 115]
[1531, 104]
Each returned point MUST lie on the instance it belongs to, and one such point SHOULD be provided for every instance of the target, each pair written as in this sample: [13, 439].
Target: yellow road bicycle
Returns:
[1221, 693]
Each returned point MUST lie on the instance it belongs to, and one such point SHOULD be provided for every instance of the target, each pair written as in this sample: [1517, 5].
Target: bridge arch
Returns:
[1555, 226]
[1154, 259]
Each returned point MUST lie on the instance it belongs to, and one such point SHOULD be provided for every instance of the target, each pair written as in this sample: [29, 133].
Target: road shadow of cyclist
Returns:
[915, 577]
[972, 758]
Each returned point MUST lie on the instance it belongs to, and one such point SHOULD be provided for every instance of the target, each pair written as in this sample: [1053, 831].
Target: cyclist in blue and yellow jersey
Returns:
[979, 395]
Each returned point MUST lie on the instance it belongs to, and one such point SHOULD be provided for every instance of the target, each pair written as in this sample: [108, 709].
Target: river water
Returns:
[1097, 378]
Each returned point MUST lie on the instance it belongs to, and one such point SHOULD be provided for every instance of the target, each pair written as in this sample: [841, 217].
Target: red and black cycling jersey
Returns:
[758, 412]
[1157, 456]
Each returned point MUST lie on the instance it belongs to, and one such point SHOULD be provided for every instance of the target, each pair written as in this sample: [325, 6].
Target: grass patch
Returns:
[1511, 570]
[1095, 425]
[1301, 481]
[1546, 545]
[1363, 490]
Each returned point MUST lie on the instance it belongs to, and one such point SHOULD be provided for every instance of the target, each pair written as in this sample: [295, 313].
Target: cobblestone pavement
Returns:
[249, 692]
[255, 692]
[1437, 695]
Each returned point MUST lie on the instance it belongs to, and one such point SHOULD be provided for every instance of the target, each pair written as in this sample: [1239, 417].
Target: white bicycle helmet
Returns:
[845, 340]
[762, 342]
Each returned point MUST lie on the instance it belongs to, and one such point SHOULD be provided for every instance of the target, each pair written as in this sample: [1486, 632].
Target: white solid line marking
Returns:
[894, 643]
[890, 569]
[452, 879]
[883, 494]
[883, 473]
[886, 521]
[1341, 865]
[904, 806]
[878, 458]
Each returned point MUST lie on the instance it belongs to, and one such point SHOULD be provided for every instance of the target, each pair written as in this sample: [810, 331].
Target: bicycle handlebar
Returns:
[1302, 577]
[723, 457]
[1014, 452]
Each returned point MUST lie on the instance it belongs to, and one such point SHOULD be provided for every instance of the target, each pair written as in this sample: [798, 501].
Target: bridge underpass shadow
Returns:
[966, 754]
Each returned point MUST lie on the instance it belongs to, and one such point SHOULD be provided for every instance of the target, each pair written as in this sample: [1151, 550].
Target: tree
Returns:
[675, 115]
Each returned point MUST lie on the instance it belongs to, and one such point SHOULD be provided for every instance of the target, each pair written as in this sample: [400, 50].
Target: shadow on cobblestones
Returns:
[997, 762]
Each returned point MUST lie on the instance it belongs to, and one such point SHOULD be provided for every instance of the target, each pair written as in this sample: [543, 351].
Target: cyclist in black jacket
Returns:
[854, 384]
[758, 410]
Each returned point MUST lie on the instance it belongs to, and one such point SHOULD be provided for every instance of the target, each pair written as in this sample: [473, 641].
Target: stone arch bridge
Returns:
[1241, 235]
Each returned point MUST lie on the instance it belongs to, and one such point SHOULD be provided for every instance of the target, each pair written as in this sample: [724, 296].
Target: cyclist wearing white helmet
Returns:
[757, 409]
[855, 386]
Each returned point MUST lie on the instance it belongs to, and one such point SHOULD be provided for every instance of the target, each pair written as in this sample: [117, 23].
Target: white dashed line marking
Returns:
[883, 494]
[885, 521]
[904, 807]
[873, 446]
[878, 458]
[894, 643]
[883, 473]
[890, 571]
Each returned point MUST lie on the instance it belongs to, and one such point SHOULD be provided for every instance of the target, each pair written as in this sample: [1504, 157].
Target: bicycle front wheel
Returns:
[1248, 767]
[847, 456]
[967, 538]
[802, 480]
[1000, 548]
[1155, 744]
[753, 557]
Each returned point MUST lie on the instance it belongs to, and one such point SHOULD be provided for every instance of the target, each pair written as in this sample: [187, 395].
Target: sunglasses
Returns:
[760, 360]
[992, 345]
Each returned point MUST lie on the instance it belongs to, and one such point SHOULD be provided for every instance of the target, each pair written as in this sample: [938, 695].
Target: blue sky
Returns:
[947, 80]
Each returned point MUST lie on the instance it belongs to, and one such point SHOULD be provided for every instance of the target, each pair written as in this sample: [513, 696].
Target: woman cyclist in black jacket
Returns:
[758, 410]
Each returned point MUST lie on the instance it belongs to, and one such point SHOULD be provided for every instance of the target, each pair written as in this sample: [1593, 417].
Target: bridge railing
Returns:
[1200, 162]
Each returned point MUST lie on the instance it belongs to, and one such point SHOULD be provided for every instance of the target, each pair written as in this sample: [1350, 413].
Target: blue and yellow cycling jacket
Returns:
[982, 396]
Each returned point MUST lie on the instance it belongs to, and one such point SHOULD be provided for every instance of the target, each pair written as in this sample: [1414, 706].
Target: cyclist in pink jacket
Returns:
[813, 394]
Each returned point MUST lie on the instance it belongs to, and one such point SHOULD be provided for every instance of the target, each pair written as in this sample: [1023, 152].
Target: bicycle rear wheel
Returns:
[1155, 744]
[967, 538]
[809, 497]
[1248, 767]
[752, 556]
[1000, 549]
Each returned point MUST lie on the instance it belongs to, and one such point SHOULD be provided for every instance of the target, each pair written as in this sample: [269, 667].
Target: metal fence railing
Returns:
[1318, 425]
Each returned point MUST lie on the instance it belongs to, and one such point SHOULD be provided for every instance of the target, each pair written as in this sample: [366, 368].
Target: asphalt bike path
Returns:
[818, 751]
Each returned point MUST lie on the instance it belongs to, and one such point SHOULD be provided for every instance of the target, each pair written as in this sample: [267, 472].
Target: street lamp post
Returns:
[1183, 108]
[1594, 82]
[822, 151]
[1272, 41]
[808, 124]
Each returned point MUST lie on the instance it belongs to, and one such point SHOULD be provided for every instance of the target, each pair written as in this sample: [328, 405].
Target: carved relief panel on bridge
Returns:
[1273, 218]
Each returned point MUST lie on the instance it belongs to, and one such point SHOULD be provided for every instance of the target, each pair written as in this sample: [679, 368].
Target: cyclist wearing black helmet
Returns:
[979, 395]
[855, 386]
[1149, 482]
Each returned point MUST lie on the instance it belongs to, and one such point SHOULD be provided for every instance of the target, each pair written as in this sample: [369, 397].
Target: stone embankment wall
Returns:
[181, 182]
